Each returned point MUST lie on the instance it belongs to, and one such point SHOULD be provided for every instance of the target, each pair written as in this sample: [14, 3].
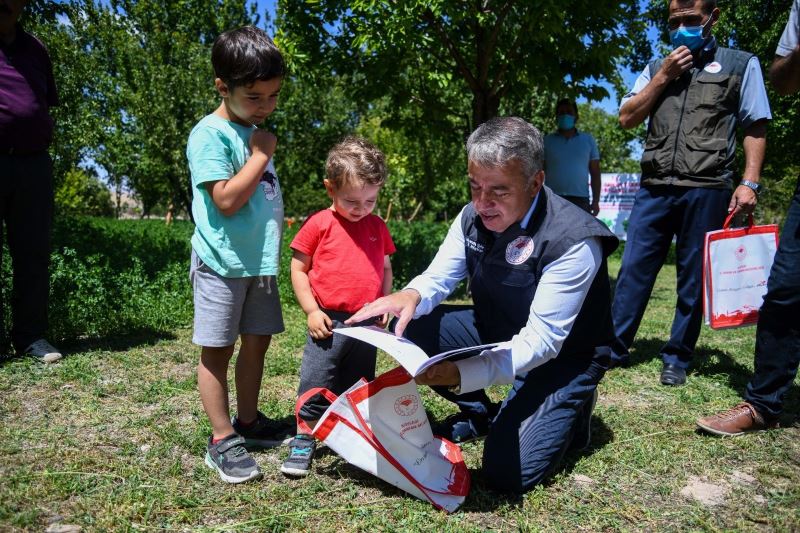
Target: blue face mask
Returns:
[690, 36]
[565, 122]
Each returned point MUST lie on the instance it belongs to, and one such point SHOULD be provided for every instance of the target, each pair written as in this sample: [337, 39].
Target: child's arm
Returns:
[387, 276]
[386, 289]
[230, 195]
[319, 324]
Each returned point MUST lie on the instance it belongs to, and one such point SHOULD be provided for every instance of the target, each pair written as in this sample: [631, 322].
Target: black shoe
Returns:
[462, 427]
[583, 434]
[263, 432]
[673, 375]
[620, 362]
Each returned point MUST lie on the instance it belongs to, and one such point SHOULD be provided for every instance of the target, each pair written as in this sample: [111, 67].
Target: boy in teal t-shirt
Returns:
[238, 212]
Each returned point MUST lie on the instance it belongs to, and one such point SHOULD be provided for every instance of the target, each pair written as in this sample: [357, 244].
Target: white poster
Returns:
[617, 193]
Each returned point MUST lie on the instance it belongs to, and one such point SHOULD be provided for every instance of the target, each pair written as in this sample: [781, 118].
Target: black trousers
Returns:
[536, 423]
[26, 212]
[778, 332]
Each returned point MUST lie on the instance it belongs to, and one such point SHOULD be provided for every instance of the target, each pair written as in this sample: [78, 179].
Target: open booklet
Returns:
[408, 354]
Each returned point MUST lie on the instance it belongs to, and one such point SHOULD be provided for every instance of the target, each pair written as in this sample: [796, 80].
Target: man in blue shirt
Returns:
[569, 155]
[694, 99]
[777, 334]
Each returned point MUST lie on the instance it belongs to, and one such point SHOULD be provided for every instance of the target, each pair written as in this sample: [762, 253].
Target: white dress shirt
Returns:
[558, 299]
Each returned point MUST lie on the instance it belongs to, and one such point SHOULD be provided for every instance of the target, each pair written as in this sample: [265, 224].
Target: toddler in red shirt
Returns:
[340, 263]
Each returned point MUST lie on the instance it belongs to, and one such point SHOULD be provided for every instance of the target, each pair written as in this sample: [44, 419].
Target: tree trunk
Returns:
[485, 105]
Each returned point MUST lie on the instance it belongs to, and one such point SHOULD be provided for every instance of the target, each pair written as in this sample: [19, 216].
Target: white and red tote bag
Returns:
[381, 427]
[736, 265]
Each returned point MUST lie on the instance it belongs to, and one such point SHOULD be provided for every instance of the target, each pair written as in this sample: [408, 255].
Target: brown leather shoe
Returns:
[735, 421]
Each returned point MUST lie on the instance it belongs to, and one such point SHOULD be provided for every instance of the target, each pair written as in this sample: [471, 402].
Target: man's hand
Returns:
[595, 208]
[677, 62]
[743, 201]
[445, 373]
[401, 304]
[264, 142]
[382, 321]
[319, 325]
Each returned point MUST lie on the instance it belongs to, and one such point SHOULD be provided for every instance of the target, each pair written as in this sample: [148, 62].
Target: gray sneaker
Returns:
[301, 453]
[231, 461]
[264, 433]
[44, 351]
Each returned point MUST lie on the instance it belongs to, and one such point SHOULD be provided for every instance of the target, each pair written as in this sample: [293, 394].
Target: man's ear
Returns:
[222, 89]
[714, 18]
[536, 183]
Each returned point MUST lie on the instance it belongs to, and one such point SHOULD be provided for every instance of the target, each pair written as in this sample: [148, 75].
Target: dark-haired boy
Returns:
[238, 213]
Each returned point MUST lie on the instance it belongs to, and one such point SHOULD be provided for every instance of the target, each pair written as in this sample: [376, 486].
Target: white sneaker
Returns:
[43, 351]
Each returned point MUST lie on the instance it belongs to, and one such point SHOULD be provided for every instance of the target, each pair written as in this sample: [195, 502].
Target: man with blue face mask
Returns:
[569, 155]
[694, 99]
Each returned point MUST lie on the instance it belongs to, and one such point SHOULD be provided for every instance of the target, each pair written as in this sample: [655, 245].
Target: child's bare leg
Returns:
[249, 369]
[212, 381]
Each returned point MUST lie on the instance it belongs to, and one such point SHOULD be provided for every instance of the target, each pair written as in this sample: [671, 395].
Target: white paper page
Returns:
[408, 354]
[405, 352]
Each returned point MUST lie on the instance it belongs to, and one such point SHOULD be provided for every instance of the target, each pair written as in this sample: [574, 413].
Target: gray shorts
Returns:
[225, 308]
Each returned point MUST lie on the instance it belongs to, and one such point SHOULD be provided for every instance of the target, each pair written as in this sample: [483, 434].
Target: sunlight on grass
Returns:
[113, 439]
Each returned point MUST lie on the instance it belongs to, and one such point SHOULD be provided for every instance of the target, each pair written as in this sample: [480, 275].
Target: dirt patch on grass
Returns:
[705, 492]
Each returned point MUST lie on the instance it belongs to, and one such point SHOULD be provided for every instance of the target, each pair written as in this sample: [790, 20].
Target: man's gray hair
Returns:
[501, 140]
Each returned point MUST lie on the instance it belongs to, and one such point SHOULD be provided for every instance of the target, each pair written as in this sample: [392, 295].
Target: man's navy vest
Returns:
[505, 269]
[691, 135]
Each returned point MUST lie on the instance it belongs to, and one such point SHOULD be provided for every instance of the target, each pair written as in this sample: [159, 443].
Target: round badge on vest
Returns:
[519, 250]
[713, 67]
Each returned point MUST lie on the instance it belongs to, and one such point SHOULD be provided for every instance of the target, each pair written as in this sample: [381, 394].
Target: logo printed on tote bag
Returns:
[740, 252]
[519, 250]
[406, 405]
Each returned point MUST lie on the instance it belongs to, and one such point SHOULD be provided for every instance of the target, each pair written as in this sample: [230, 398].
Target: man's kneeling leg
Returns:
[537, 424]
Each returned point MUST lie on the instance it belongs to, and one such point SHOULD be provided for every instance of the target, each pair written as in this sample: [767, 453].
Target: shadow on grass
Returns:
[134, 339]
[705, 360]
[714, 362]
[482, 498]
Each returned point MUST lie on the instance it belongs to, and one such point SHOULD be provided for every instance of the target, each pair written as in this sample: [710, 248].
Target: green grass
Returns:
[112, 438]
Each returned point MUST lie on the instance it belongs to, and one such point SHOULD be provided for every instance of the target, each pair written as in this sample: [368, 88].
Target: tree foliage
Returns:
[83, 194]
[462, 59]
[614, 143]
[134, 76]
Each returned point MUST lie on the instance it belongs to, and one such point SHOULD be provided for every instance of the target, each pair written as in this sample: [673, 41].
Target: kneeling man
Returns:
[536, 265]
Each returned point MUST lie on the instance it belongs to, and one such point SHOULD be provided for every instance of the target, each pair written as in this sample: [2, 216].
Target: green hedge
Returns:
[118, 277]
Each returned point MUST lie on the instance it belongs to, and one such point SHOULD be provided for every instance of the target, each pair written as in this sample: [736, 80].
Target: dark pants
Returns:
[535, 425]
[778, 332]
[659, 214]
[335, 363]
[26, 210]
[580, 201]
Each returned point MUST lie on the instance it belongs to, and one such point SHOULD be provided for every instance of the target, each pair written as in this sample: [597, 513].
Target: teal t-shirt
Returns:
[566, 163]
[248, 242]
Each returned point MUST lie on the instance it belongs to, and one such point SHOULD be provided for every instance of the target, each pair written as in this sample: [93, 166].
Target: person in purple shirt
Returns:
[27, 91]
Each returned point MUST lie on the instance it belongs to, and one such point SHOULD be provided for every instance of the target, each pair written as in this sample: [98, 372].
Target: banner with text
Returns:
[617, 193]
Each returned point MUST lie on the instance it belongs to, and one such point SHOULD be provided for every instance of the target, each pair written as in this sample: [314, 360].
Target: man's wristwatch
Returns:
[753, 185]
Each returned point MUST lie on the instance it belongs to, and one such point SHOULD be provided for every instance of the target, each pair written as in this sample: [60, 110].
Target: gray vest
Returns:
[505, 269]
[691, 136]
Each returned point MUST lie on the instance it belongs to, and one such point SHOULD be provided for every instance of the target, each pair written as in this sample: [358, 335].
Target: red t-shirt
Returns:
[346, 258]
